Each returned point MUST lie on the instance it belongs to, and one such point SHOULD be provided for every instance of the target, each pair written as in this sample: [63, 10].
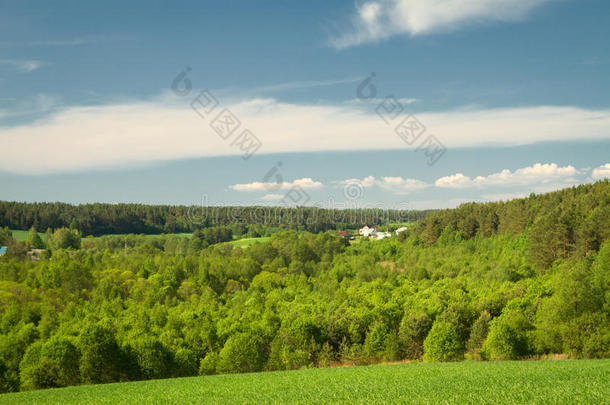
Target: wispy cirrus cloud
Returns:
[373, 21]
[34, 105]
[21, 65]
[64, 42]
[76, 41]
[302, 85]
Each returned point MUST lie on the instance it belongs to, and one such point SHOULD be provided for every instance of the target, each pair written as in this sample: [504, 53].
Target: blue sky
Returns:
[516, 92]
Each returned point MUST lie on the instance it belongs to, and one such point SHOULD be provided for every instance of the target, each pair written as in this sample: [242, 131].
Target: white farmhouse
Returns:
[401, 229]
[366, 231]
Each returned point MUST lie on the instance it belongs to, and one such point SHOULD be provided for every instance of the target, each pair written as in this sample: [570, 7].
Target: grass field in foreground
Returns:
[548, 382]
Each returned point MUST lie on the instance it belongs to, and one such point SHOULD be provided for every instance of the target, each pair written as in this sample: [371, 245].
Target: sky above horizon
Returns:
[394, 103]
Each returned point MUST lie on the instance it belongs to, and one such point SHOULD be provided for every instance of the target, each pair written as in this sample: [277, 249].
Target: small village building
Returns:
[367, 232]
[401, 229]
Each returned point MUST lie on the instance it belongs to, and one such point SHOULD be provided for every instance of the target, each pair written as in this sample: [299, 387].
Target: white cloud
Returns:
[601, 172]
[80, 138]
[538, 174]
[304, 183]
[377, 20]
[272, 197]
[31, 106]
[376, 101]
[61, 42]
[302, 85]
[396, 185]
[457, 180]
[368, 181]
[22, 65]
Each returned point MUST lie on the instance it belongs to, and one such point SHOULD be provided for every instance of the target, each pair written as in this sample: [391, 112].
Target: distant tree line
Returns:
[103, 219]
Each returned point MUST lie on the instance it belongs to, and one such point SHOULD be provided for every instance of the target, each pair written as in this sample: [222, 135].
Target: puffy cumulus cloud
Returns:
[601, 172]
[118, 135]
[532, 175]
[397, 185]
[304, 183]
[368, 181]
[457, 180]
[377, 20]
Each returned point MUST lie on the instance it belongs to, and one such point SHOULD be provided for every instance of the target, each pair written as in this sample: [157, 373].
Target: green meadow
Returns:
[509, 382]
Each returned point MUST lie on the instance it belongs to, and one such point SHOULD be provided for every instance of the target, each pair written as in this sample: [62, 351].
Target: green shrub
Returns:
[208, 364]
[443, 343]
[242, 353]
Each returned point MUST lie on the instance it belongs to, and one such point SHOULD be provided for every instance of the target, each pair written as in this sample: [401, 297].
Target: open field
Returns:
[249, 241]
[548, 382]
[23, 235]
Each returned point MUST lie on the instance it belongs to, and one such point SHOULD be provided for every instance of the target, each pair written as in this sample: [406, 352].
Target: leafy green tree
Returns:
[64, 238]
[479, 332]
[101, 360]
[208, 364]
[8, 383]
[52, 364]
[34, 240]
[376, 340]
[443, 343]
[153, 358]
[507, 338]
[242, 353]
[5, 235]
[16, 249]
[413, 331]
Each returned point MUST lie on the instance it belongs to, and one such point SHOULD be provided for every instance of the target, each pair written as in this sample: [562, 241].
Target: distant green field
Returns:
[249, 241]
[23, 235]
[531, 382]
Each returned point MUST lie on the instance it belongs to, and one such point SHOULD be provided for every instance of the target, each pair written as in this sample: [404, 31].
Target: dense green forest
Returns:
[104, 219]
[507, 280]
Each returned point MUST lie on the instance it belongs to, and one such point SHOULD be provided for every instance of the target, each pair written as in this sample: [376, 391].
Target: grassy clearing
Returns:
[23, 235]
[249, 241]
[548, 382]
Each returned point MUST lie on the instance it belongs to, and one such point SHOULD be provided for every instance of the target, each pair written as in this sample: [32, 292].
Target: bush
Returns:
[242, 353]
[8, 382]
[478, 333]
[52, 364]
[153, 358]
[102, 359]
[443, 343]
[507, 338]
[208, 364]
[413, 330]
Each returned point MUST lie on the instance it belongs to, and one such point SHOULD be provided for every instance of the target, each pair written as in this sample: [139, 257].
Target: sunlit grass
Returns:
[548, 382]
